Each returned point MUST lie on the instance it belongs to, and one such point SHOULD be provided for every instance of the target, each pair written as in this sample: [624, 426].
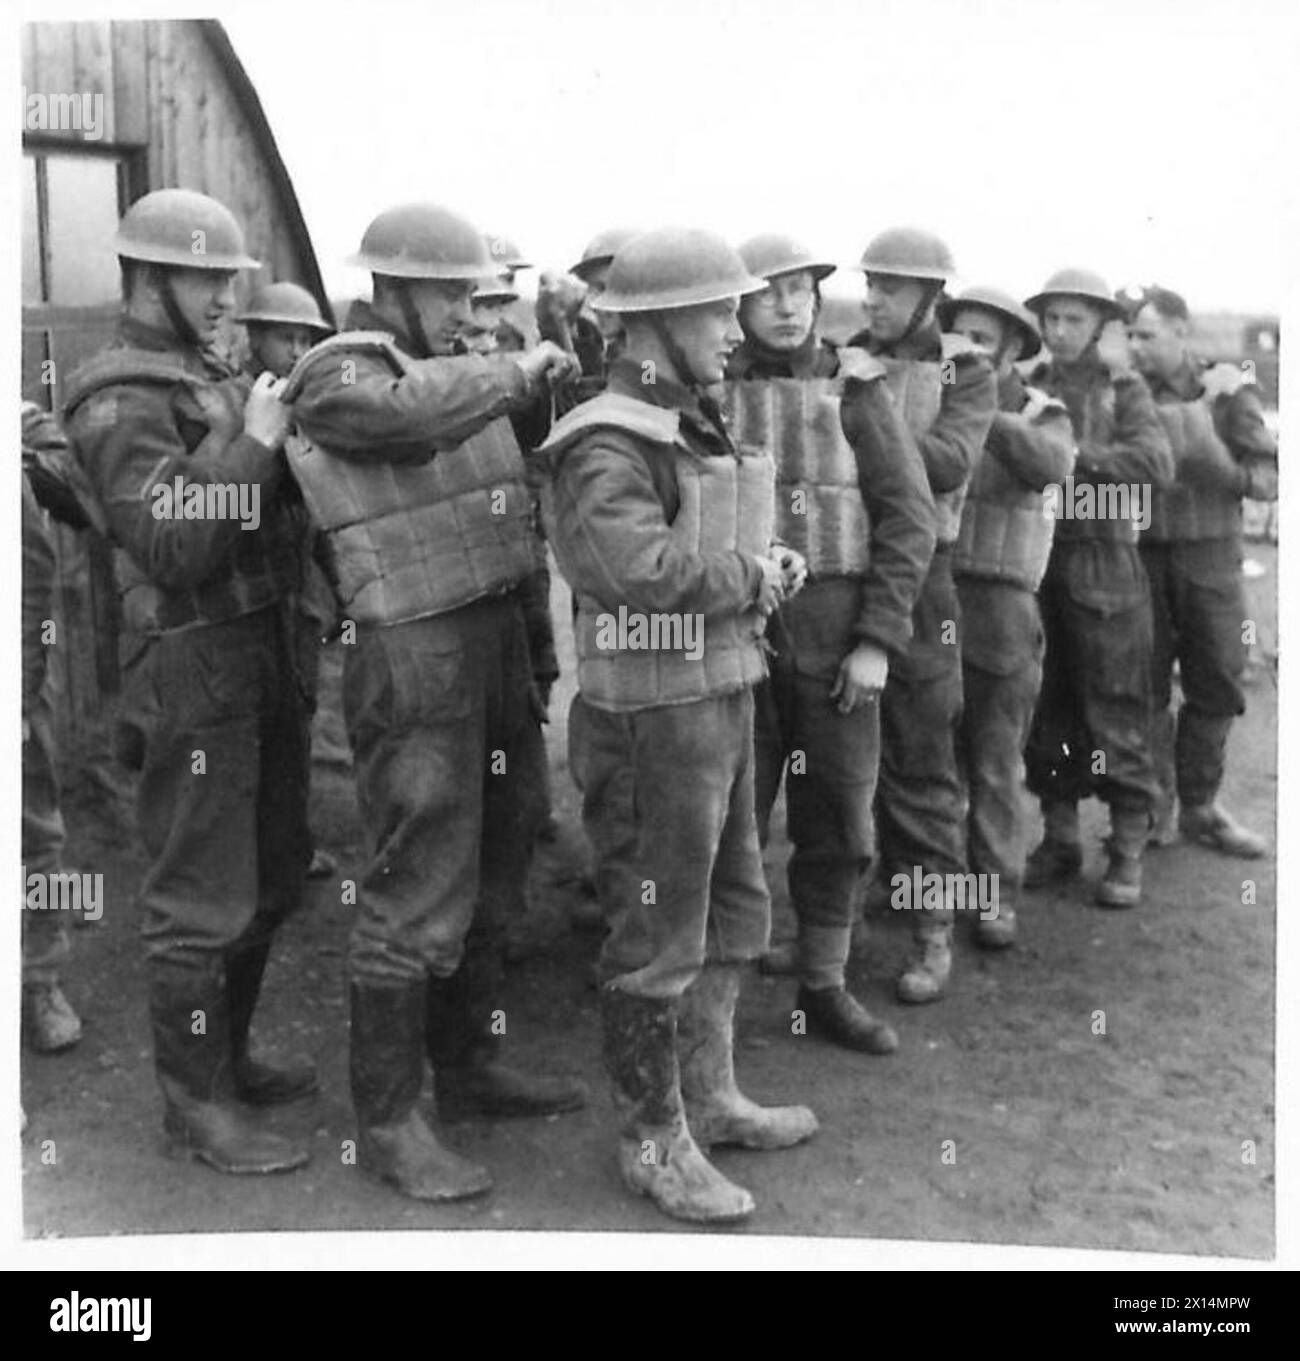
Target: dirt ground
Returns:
[1060, 1136]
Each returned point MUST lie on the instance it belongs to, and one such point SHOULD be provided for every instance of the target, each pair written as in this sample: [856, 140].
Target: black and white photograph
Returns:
[649, 636]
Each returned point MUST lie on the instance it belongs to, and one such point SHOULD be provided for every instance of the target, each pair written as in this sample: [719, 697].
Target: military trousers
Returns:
[1002, 668]
[920, 805]
[437, 713]
[830, 762]
[222, 797]
[1091, 732]
[668, 805]
[1198, 606]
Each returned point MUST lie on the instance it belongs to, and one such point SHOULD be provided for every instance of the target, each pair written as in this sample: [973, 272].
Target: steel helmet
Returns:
[995, 300]
[909, 253]
[674, 267]
[1077, 283]
[424, 241]
[285, 304]
[768, 256]
[602, 248]
[181, 228]
[505, 254]
[494, 289]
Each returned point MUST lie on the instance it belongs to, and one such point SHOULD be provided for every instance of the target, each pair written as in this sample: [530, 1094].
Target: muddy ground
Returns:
[1129, 1140]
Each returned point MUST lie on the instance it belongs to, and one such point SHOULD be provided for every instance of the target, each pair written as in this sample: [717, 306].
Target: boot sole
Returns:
[430, 1197]
[687, 1216]
[180, 1151]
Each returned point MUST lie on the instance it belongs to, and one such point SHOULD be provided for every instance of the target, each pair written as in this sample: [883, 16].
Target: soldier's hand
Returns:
[860, 367]
[266, 418]
[861, 677]
[794, 568]
[559, 296]
[771, 589]
[1221, 380]
[547, 363]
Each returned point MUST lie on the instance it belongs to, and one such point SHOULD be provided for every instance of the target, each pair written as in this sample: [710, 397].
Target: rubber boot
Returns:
[832, 1012]
[202, 1117]
[395, 1143]
[49, 1023]
[1059, 855]
[470, 1078]
[926, 979]
[1210, 825]
[258, 1083]
[656, 1153]
[1121, 885]
[716, 1109]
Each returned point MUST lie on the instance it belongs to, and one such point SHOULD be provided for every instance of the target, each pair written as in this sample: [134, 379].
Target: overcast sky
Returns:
[1140, 138]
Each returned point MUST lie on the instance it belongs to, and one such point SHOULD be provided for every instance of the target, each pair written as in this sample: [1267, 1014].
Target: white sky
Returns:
[1141, 138]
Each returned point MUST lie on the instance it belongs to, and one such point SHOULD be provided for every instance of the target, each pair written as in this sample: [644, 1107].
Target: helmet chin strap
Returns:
[930, 290]
[709, 408]
[176, 319]
[411, 320]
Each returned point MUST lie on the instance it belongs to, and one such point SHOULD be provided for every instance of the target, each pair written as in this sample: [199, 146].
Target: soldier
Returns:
[507, 259]
[49, 1022]
[409, 464]
[283, 321]
[568, 315]
[998, 563]
[162, 430]
[660, 527]
[947, 396]
[1192, 553]
[859, 510]
[1092, 728]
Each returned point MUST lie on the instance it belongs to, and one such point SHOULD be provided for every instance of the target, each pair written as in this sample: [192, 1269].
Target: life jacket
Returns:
[820, 511]
[1007, 528]
[726, 503]
[264, 564]
[1181, 511]
[916, 386]
[409, 541]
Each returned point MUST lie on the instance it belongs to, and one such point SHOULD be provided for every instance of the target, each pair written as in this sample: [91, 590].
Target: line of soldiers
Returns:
[861, 530]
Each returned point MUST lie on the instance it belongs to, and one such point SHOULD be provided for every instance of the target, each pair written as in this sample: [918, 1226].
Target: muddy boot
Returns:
[258, 1083]
[387, 1068]
[49, 1023]
[1210, 825]
[831, 1010]
[657, 1155]
[717, 1111]
[926, 979]
[1121, 885]
[469, 1076]
[999, 932]
[203, 1119]
[1059, 856]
